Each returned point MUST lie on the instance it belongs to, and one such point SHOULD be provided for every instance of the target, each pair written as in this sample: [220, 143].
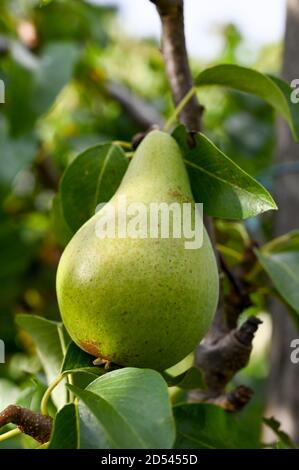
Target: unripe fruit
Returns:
[143, 302]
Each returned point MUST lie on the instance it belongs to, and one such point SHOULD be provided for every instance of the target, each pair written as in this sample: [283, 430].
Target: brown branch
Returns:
[222, 359]
[176, 59]
[235, 302]
[144, 114]
[226, 349]
[175, 55]
[46, 171]
[232, 401]
[29, 422]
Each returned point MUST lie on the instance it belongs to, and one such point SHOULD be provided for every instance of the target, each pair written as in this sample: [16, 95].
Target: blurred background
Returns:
[78, 73]
[205, 21]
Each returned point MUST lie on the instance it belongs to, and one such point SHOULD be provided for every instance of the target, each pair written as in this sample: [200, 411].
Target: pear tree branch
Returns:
[142, 112]
[176, 60]
[29, 422]
[226, 348]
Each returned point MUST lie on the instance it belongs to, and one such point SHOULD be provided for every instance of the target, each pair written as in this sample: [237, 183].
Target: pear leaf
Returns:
[91, 178]
[128, 408]
[206, 426]
[273, 90]
[225, 190]
[65, 433]
[46, 337]
[280, 259]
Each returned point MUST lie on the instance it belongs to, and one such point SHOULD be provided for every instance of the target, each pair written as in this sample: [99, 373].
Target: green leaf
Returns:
[284, 439]
[274, 91]
[280, 259]
[127, 408]
[65, 434]
[283, 269]
[202, 426]
[31, 396]
[86, 22]
[19, 93]
[59, 226]
[287, 242]
[225, 190]
[77, 360]
[90, 179]
[36, 82]
[53, 73]
[188, 380]
[46, 337]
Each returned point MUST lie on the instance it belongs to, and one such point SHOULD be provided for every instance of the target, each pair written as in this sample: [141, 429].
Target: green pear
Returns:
[140, 301]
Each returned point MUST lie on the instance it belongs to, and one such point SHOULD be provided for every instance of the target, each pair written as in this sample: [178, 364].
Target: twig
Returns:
[226, 349]
[220, 360]
[47, 172]
[176, 60]
[232, 401]
[48, 392]
[141, 111]
[29, 422]
[235, 301]
[9, 434]
[182, 104]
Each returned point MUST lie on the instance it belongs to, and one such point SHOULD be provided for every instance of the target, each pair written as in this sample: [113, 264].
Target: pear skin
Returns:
[140, 302]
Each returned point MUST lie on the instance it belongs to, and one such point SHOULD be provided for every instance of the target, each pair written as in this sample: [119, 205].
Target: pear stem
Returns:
[47, 395]
[10, 434]
[63, 348]
[179, 108]
[123, 144]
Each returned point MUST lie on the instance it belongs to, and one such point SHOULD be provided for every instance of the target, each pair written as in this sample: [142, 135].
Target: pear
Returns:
[140, 301]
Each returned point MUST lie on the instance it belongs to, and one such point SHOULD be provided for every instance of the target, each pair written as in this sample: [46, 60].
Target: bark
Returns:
[176, 59]
[29, 422]
[283, 383]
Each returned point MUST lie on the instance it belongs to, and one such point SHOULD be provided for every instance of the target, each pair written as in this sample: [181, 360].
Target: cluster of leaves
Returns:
[125, 408]
[129, 407]
[59, 159]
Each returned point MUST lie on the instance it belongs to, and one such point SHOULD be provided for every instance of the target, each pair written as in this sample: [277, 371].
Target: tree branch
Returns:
[176, 59]
[220, 360]
[226, 348]
[142, 112]
[29, 422]
[232, 401]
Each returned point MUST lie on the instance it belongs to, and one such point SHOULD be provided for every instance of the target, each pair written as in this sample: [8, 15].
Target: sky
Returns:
[260, 21]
